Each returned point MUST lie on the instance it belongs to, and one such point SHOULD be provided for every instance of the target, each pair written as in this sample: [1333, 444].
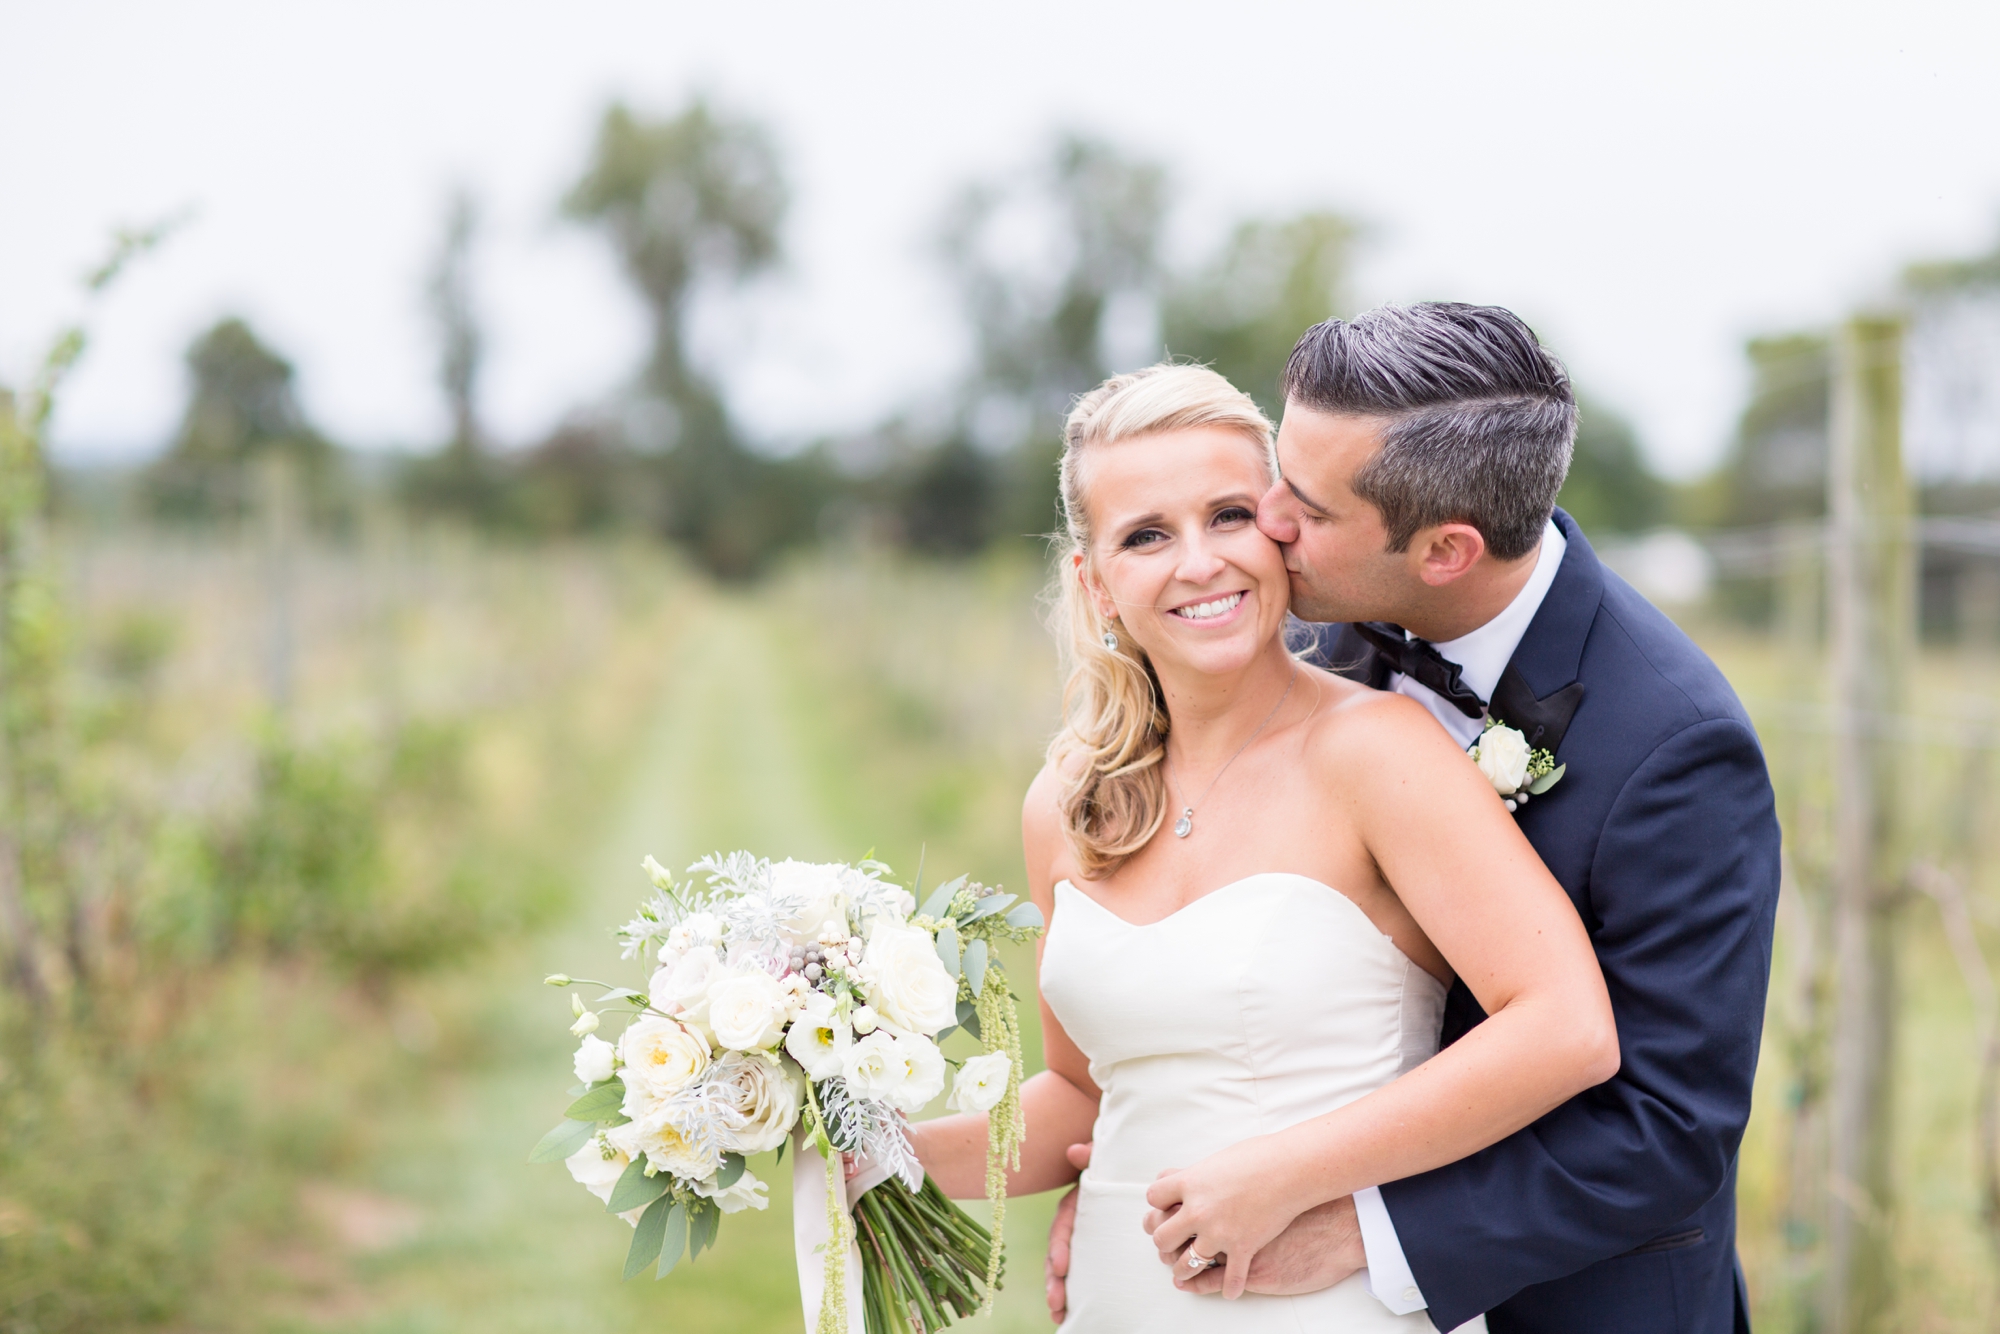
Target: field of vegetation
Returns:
[304, 1054]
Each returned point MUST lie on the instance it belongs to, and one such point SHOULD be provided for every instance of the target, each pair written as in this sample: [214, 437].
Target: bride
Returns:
[1259, 879]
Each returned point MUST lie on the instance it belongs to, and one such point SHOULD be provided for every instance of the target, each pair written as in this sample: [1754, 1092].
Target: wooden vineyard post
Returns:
[1871, 580]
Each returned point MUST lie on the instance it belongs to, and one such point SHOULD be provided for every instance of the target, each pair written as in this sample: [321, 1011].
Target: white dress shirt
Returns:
[1481, 656]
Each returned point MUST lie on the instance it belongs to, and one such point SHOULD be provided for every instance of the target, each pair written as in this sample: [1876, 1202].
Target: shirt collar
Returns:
[1483, 654]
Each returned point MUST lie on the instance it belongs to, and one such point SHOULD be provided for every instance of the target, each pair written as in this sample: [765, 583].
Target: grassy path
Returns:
[506, 1247]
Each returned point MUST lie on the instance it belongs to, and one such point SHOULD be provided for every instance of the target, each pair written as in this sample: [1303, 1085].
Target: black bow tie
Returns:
[1419, 660]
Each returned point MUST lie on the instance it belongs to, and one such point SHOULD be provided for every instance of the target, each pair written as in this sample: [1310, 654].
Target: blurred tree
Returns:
[1776, 468]
[1059, 277]
[947, 501]
[460, 479]
[1243, 311]
[1610, 489]
[241, 406]
[693, 206]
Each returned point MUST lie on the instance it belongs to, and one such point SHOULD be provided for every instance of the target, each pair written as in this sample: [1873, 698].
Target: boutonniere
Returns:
[1515, 771]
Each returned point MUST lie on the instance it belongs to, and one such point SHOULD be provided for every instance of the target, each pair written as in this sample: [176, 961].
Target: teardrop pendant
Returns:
[1185, 825]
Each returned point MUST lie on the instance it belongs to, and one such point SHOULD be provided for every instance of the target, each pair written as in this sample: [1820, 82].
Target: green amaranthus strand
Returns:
[833, 1283]
[1006, 1127]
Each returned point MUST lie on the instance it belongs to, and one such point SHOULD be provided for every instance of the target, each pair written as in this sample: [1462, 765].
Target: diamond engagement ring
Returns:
[1195, 1261]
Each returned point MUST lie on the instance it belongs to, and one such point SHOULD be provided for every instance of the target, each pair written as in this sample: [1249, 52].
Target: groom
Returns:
[1421, 452]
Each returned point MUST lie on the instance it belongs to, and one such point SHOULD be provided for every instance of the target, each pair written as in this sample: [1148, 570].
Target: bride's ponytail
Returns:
[1109, 752]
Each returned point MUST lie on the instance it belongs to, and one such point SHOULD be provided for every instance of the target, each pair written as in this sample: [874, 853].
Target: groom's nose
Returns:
[1277, 515]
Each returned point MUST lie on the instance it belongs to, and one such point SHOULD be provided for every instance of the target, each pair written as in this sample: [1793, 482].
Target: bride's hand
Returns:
[1230, 1206]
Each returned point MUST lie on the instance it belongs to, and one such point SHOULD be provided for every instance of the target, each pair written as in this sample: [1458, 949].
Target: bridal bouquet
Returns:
[800, 1003]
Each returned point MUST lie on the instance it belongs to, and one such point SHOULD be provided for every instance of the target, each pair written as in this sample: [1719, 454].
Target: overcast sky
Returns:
[1646, 184]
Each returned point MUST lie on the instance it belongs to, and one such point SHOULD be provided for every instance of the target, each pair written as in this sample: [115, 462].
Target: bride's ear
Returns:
[1093, 590]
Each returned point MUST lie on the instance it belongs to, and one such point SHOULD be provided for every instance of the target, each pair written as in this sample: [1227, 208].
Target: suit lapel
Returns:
[1539, 692]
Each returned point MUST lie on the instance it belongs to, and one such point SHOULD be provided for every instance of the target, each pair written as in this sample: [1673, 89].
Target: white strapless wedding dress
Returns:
[1264, 1003]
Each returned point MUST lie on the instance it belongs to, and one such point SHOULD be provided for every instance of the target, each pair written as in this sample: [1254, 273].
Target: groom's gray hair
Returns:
[1480, 417]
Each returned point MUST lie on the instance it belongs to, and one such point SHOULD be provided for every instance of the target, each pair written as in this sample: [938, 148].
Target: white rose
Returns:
[661, 1057]
[682, 987]
[818, 1040]
[905, 980]
[595, 1060]
[663, 1137]
[904, 1071]
[766, 1094]
[748, 1008]
[1503, 758]
[597, 1167]
[746, 1192]
[818, 890]
[981, 1083]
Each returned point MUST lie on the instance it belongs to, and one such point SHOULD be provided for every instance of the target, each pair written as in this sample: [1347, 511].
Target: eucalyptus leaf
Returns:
[948, 948]
[944, 1033]
[1025, 916]
[704, 1221]
[563, 1141]
[941, 897]
[731, 1170]
[1546, 781]
[635, 1188]
[600, 1104]
[991, 904]
[646, 1237]
[781, 1152]
[968, 1019]
[673, 1241]
[975, 965]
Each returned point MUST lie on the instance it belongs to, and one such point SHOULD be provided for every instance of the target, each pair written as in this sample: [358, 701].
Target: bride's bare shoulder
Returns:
[1361, 726]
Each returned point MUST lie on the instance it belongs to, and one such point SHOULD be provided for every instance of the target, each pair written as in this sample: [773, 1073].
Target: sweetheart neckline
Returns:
[1067, 883]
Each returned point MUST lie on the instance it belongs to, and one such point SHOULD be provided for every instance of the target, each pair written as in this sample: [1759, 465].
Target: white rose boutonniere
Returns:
[1515, 771]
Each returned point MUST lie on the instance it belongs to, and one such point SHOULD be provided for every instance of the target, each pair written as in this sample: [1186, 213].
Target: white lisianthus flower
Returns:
[818, 888]
[981, 1083]
[906, 982]
[595, 1060]
[818, 1040]
[1502, 755]
[766, 1094]
[586, 1024]
[682, 987]
[747, 1192]
[905, 1071]
[661, 1057]
[669, 1147]
[699, 928]
[596, 1167]
[748, 1008]
[866, 1020]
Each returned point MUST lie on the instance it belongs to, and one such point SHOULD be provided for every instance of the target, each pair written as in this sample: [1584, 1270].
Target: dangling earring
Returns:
[1111, 641]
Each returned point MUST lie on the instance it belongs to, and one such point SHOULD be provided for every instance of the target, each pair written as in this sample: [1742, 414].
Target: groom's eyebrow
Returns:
[1303, 498]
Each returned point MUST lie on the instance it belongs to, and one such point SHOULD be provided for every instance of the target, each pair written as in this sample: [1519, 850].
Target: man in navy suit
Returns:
[1420, 455]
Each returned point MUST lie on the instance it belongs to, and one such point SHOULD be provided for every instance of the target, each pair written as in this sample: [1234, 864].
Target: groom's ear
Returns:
[1446, 551]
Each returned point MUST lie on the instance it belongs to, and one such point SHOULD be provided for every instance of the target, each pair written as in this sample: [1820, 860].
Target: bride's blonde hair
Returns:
[1107, 755]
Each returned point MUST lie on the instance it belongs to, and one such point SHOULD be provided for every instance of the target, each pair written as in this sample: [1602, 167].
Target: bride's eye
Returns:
[1145, 537]
[1233, 514]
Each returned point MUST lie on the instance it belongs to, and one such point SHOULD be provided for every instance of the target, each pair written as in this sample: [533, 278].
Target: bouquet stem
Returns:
[924, 1262]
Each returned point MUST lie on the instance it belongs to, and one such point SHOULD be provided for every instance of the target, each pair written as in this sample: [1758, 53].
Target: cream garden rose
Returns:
[817, 888]
[661, 1057]
[906, 982]
[682, 987]
[981, 1083]
[1503, 757]
[766, 1094]
[746, 1192]
[748, 1009]
[663, 1137]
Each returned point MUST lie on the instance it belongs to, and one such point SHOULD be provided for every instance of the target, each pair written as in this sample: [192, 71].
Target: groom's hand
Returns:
[1056, 1271]
[1321, 1247]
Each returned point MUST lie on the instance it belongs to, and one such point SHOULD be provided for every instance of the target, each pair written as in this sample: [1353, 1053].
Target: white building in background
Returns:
[1951, 387]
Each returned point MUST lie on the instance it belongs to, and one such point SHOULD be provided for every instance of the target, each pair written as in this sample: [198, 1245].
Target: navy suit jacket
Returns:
[1617, 1210]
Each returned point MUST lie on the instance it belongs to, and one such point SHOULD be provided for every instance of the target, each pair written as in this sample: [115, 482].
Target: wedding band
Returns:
[1196, 1261]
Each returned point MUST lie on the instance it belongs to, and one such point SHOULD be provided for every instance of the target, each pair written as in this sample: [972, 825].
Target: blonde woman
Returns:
[1260, 880]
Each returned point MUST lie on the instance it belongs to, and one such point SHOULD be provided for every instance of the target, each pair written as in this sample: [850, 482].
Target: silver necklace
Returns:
[1185, 825]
